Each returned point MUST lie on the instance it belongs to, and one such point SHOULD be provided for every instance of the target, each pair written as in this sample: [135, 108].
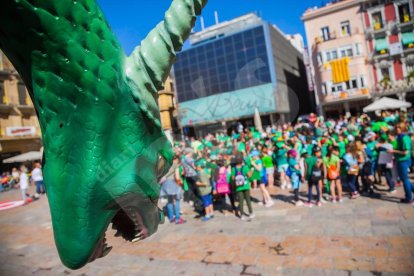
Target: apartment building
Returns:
[338, 54]
[19, 127]
[388, 27]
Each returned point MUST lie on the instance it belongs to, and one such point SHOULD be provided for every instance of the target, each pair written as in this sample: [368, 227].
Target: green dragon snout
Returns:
[105, 150]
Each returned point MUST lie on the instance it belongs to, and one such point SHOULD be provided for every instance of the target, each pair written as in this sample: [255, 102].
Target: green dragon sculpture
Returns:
[104, 149]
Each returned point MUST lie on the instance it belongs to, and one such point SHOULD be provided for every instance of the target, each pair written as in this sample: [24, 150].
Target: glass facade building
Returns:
[231, 63]
[237, 68]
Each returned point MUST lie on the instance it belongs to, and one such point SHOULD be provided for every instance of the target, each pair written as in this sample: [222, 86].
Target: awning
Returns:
[386, 104]
[407, 38]
[28, 156]
[381, 44]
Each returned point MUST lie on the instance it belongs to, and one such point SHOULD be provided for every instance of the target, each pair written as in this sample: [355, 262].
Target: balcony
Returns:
[380, 29]
[393, 87]
[406, 21]
[349, 95]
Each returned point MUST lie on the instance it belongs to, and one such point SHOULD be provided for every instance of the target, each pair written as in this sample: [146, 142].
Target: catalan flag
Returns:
[340, 70]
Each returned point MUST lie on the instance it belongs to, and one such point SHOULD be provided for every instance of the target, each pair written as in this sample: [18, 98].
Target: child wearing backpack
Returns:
[223, 188]
[240, 176]
[205, 189]
[314, 175]
[332, 169]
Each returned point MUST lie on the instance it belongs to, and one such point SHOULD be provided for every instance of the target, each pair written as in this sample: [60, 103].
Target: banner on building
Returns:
[20, 131]
[230, 105]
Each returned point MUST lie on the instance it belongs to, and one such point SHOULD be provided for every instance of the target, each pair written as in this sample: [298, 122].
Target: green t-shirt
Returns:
[309, 149]
[372, 148]
[242, 147]
[404, 144]
[292, 165]
[257, 175]
[244, 171]
[342, 148]
[281, 157]
[299, 146]
[204, 178]
[310, 163]
[267, 161]
[331, 161]
[183, 179]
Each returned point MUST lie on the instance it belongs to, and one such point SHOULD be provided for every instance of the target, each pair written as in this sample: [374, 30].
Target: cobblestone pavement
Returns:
[357, 237]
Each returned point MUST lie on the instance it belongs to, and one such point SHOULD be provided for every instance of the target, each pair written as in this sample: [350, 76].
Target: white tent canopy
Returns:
[386, 104]
[28, 156]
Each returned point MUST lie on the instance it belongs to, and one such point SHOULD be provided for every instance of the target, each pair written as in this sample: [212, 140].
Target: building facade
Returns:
[337, 50]
[389, 33]
[167, 105]
[19, 127]
[234, 68]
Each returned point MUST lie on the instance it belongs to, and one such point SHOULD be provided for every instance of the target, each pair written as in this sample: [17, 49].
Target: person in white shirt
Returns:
[24, 182]
[37, 178]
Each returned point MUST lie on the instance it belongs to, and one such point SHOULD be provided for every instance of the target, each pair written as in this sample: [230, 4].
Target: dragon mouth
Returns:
[129, 223]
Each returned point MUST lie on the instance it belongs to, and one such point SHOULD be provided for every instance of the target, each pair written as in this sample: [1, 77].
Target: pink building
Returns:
[389, 28]
[338, 51]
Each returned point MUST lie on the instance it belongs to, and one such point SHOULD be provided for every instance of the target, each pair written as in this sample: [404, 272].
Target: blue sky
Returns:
[131, 20]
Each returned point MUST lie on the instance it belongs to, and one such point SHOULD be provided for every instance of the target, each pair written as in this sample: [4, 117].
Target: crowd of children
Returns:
[333, 157]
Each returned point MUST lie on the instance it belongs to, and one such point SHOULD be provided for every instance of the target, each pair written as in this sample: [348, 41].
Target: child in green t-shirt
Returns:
[240, 176]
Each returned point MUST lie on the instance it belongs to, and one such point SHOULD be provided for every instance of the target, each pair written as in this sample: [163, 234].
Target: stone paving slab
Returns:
[358, 237]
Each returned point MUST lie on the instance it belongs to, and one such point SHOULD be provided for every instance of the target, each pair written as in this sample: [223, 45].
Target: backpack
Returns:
[367, 168]
[188, 170]
[240, 179]
[288, 172]
[222, 185]
[316, 174]
[333, 172]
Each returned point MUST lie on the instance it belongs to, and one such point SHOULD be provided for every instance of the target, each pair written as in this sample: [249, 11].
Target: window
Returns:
[345, 28]
[324, 88]
[352, 84]
[171, 86]
[404, 13]
[358, 49]
[346, 51]
[22, 93]
[363, 81]
[377, 20]
[319, 58]
[325, 34]
[336, 88]
[331, 55]
[385, 72]
[2, 93]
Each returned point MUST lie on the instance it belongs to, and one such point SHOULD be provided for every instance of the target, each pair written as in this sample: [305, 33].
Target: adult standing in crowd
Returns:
[37, 178]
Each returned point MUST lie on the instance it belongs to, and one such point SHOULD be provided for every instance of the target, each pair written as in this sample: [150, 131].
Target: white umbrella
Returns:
[257, 120]
[28, 156]
[386, 104]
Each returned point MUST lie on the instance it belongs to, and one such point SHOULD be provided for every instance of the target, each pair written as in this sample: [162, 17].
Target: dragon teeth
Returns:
[136, 239]
[106, 251]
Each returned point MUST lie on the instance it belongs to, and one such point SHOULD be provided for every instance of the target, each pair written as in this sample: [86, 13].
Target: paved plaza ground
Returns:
[357, 237]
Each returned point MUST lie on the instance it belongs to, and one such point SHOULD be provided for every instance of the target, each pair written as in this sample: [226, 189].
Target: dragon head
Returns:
[104, 149]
